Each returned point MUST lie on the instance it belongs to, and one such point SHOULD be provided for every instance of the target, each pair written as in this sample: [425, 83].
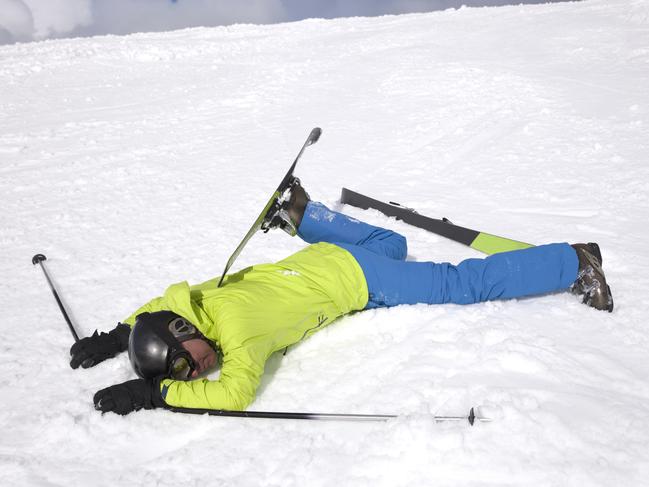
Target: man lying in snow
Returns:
[349, 266]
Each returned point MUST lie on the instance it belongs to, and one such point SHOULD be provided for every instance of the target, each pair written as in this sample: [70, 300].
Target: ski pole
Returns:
[38, 259]
[471, 417]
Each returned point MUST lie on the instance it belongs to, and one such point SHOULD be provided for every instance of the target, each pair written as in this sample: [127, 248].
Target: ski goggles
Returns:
[181, 366]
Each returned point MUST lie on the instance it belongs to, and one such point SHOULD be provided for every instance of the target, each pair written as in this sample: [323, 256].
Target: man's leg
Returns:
[519, 273]
[320, 224]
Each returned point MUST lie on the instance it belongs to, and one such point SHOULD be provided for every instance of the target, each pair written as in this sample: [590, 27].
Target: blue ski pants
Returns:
[391, 280]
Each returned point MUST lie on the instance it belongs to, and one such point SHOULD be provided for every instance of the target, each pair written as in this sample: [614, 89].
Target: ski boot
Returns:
[288, 210]
[591, 281]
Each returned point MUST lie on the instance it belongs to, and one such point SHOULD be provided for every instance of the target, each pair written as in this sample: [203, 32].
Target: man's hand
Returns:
[129, 396]
[91, 350]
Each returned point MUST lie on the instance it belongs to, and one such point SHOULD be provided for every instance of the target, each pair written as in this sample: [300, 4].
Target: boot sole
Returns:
[598, 255]
[610, 299]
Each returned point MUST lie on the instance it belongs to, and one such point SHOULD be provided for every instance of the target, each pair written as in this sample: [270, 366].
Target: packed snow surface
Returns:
[135, 162]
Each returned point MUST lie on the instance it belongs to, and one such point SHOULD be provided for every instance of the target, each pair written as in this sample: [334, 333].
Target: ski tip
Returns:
[38, 258]
[314, 136]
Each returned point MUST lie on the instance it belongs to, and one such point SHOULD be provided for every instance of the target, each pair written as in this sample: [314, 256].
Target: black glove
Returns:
[91, 350]
[129, 396]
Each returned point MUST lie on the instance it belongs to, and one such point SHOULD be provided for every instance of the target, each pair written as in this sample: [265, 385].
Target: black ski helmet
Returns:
[154, 346]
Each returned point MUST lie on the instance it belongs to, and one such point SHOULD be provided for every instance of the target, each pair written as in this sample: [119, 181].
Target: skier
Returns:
[350, 265]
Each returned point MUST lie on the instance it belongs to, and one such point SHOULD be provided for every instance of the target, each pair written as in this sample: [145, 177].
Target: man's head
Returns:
[165, 344]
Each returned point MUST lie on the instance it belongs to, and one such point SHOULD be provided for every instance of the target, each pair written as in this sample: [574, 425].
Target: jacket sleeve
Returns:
[156, 304]
[233, 391]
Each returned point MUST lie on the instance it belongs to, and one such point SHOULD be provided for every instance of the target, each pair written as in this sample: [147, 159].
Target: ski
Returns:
[263, 221]
[481, 241]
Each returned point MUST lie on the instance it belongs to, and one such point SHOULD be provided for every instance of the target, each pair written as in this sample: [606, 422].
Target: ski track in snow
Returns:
[135, 162]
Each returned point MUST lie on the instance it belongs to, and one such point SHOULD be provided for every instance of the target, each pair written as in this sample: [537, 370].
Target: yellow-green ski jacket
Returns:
[257, 311]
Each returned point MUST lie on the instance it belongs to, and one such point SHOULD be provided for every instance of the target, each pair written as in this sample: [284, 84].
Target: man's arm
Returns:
[234, 390]
[156, 304]
[96, 348]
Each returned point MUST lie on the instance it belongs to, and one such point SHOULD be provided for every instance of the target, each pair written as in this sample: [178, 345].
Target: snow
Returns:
[135, 162]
